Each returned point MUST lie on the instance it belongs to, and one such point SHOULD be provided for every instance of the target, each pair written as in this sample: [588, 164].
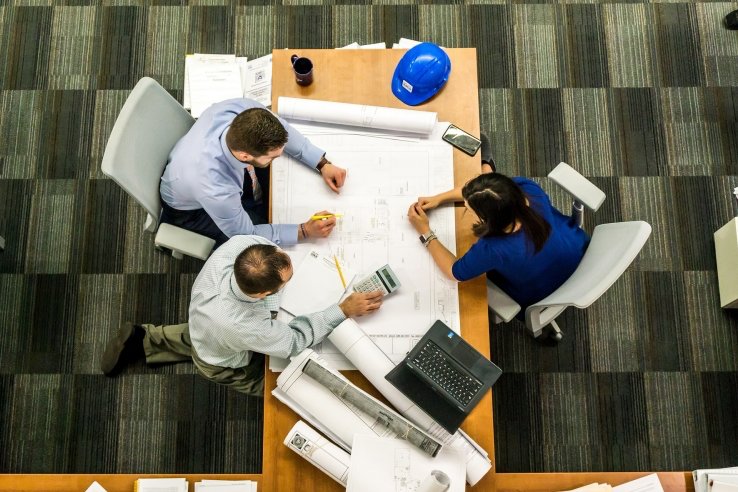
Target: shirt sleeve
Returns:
[478, 260]
[224, 207]
[279, 339]
[299, 147]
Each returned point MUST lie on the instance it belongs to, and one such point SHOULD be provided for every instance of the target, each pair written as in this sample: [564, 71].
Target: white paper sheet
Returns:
[321, 453]
[257, 80]
[700, 476]
[401, 120]
[384, 177]
[161, 485]
[649, 483]
[391, 464]
[95, 487]
[315, 285]
[211, 79]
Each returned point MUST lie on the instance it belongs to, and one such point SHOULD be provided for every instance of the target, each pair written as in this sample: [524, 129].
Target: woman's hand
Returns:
[417, 217]
[429, 202]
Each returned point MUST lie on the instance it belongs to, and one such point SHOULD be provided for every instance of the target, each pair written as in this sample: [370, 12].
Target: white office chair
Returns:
[612, 249]
[149, 124]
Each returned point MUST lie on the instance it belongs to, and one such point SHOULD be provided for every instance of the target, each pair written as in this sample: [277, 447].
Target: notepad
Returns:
[315, 285]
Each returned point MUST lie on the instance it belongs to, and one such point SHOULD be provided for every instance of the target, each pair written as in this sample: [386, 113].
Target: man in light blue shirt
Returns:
[216, 182]
[232, 322]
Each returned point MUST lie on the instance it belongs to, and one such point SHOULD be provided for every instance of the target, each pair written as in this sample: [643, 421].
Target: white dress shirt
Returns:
[226, 325]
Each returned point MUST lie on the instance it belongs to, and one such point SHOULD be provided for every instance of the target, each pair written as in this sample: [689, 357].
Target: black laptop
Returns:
[443, 365]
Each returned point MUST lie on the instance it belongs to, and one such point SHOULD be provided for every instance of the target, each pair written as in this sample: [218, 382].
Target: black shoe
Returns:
[487, 152]
[126, 347]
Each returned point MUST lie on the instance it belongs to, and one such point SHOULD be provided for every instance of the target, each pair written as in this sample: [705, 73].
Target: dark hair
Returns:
[256, 131]
[258, 268]
[499, 202]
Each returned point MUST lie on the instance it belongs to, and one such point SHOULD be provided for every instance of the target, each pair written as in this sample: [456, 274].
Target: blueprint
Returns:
[385, 175]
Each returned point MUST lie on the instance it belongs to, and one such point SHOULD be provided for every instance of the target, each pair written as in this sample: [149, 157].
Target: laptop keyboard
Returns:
[434, 363]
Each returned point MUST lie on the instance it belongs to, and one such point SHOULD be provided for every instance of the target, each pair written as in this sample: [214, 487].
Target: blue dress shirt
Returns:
[202, 173]
[511, 263]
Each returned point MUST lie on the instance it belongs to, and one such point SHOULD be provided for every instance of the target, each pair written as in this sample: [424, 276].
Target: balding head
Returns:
[262, 269]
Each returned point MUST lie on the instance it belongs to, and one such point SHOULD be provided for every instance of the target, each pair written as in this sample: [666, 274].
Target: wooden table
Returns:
[364, 77]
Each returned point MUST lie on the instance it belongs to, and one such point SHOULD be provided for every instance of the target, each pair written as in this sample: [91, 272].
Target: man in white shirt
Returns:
[232, 322]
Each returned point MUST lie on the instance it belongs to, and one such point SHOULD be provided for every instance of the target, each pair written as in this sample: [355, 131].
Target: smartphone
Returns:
[461, 140]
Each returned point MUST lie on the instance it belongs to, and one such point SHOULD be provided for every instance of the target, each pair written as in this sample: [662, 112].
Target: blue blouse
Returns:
[510, 261]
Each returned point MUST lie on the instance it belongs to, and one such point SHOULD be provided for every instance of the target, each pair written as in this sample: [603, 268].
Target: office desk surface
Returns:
[364, 76]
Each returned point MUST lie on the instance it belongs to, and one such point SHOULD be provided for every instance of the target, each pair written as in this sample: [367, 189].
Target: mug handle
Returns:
[293, 58]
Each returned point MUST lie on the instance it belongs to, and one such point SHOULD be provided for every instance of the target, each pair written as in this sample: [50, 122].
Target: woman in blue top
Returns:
[525, 246]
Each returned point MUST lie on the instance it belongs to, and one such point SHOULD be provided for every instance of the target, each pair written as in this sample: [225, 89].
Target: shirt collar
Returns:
[239, 294]
[227, 152]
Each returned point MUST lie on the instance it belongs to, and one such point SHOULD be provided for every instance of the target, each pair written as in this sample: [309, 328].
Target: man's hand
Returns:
[333, 176]
[417, 217]
[359, 303]
[429, 202]
[317, 228]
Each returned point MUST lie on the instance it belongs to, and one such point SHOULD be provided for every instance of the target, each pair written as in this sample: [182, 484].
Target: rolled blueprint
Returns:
[385, 416]
[369, 359]
[437, 481]
[319, 451]
[321, 408]
[378, 117]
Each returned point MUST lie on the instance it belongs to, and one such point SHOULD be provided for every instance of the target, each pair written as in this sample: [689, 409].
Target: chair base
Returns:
[550, 331]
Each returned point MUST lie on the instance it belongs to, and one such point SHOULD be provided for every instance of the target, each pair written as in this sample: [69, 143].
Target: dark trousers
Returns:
[200, 222]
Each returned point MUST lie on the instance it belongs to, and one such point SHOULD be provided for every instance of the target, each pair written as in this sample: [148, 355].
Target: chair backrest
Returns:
[149, 124]
[612, 249]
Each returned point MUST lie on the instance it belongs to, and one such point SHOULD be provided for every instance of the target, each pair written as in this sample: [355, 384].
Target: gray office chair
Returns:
[149, 124]
[612, 249]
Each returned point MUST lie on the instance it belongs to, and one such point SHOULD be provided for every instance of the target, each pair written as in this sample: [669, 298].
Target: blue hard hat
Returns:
[421, 72]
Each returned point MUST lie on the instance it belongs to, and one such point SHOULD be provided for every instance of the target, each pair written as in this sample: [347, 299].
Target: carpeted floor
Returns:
[641, 96]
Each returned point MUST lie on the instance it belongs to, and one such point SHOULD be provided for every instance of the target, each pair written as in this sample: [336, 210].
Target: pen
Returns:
[340, 273]
[327, 216]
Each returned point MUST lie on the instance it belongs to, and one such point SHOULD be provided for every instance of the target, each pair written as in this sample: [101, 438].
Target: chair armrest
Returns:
[501, 304]
[182, 241]
[578, 186]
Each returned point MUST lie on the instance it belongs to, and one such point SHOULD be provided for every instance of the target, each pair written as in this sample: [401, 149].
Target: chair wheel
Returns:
[557, 335]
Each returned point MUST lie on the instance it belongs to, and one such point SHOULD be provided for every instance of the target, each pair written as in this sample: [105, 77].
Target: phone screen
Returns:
[462, 140]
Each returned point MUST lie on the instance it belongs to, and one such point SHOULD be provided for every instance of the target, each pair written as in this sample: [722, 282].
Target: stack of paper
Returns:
[225, 486]
[210, 79]
[716, 480]
[357, 46]
[649, 483]
[161, 485]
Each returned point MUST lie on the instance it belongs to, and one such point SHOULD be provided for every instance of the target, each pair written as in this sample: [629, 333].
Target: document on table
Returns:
[649, 483]
[256, 76]
[161, 485]
[384, 177]
[379, 463]
[211, 79]
[315, 285]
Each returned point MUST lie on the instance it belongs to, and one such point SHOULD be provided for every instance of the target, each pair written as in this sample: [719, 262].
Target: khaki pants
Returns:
[171, 343]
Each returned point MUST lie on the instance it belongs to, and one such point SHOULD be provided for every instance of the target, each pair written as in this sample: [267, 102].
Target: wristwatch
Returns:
[426, 238]
[323, 162]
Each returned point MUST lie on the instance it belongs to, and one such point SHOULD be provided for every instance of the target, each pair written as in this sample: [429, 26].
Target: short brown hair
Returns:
[256, 131]
[258, 268]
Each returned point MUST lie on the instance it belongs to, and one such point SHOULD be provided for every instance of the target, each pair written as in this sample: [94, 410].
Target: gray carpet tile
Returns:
[639, 96]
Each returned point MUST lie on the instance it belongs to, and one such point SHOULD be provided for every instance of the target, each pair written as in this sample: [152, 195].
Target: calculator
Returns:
[383, 279]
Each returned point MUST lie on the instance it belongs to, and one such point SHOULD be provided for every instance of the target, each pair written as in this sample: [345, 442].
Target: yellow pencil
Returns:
[328, 216]
[340, 273]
